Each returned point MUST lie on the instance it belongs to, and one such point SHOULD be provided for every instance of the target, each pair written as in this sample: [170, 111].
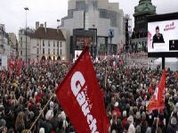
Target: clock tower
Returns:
[139, 35]
[144, 9]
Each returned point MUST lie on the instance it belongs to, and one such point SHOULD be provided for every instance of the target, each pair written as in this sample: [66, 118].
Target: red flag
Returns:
[3, 75]
[150, 90]
[158, 98]
[11, 66]
[81, 98]
[19, 66]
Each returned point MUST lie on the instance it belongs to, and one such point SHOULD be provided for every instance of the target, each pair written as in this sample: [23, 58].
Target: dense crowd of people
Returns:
[127, 92]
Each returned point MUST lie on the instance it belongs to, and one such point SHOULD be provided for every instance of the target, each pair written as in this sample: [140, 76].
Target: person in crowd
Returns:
[125, 88]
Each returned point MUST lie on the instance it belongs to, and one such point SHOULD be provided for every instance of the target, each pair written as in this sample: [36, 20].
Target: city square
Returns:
[102, 66]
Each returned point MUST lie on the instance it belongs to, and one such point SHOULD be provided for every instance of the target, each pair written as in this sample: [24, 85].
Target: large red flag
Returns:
[157, 100]
[81, 98]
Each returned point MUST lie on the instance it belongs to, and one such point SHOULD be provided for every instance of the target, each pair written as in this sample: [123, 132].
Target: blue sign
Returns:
[111, 33]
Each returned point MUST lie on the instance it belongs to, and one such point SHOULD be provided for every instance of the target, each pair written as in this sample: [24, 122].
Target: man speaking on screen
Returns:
[158, 37]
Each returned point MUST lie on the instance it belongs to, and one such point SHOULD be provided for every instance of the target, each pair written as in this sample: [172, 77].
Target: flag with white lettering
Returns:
[157, 100]
[81, 98]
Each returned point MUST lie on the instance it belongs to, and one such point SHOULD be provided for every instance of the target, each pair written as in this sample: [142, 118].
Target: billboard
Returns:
[162, 37]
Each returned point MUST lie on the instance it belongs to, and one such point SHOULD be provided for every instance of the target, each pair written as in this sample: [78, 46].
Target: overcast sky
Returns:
[12, 12]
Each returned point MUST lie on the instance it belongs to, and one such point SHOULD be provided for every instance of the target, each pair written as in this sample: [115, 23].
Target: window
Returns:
[37, 44]
[37, 51]
[48, 43]
[80, 5]
[53, 43]
[60, 44]
[21, 39]
[54, 51]
[60, 51]
[43, 50]
[43, 43]
[0, 62]
[21, 52]
[48, 50]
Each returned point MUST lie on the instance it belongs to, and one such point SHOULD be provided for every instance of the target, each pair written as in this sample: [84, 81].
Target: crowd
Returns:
[127, 91]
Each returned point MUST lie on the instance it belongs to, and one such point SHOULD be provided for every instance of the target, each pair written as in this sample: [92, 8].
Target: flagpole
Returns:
[40, 114]
[157, 123]
[105, 80]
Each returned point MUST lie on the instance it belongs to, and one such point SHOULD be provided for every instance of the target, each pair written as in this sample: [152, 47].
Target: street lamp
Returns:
[94, 45]
[127, 39]
[58, 20]
[110, 36]
[26, 9]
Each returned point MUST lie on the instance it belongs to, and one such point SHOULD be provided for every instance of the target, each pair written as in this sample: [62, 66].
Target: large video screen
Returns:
[163, 36]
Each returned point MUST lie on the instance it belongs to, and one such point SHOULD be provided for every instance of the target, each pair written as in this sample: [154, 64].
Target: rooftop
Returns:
[48, 33]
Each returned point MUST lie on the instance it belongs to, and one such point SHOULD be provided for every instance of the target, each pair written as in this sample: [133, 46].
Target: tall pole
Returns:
[58, 20]
[26, 58]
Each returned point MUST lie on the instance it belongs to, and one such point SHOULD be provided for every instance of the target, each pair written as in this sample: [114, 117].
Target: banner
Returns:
[81, 98]
[158, 98]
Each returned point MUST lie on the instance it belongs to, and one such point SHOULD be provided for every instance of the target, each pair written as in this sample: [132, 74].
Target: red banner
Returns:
[158, 98]
[81, 98]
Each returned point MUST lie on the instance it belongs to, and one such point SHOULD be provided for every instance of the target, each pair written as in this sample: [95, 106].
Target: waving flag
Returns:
[81, 98]
[158, 98]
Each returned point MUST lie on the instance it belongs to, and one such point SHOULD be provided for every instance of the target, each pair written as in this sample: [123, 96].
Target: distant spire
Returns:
[144, 1]
[145, 6]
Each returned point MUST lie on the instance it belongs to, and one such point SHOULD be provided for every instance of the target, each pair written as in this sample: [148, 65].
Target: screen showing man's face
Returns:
[160, 33]
[157, 31]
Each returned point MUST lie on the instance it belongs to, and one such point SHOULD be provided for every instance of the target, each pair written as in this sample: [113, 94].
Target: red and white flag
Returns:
[81, 97]
[157, 101]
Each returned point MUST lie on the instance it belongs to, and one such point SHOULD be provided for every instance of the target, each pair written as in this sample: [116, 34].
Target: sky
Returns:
[13, 15]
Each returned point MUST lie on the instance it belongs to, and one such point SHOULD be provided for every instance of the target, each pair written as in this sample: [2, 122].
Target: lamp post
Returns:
[127, 38]
[58, 20]
[94, 45]
[26, 59]
[110, 36]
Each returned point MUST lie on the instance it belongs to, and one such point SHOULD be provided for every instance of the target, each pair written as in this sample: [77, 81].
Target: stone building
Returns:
[139, 35]
[99, 22]
[42, 43]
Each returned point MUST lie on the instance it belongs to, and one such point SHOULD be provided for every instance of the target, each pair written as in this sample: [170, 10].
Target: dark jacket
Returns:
[172, 128]
[158, 39]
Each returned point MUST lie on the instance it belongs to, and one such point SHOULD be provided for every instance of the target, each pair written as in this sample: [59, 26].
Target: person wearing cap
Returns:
[116, 111]
[42, 130]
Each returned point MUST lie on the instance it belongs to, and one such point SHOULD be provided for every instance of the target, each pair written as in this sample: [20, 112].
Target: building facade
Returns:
[5, 44]
[139, 36]
[12, 39]
[99, 15]
[42, 43]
